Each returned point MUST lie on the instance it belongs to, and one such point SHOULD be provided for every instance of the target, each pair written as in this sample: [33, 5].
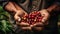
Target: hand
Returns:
[39, 26]
[46, 15]
[24, 26]
[19, 14]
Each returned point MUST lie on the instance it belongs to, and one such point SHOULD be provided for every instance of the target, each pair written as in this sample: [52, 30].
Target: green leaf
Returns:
[4, 25]
[1, 8]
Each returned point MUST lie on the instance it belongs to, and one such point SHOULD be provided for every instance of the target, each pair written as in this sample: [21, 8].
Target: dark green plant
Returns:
[5, 25]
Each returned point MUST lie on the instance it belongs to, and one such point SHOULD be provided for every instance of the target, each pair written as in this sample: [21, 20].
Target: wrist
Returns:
[48, 10]
[51, 8]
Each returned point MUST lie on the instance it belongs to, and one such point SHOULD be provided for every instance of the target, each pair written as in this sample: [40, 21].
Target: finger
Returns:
[38, 28]
[38, 24]
[46, 23]
[26, 13]
[17, 18]
[31, 26]
[22, 24]
[26, 28]
[45, 18]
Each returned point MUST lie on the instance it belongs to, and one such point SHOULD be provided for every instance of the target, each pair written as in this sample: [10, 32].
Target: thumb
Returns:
[17, 18]
[45, 18]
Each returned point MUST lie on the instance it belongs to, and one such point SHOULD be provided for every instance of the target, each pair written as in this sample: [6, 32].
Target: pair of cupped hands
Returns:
[36, 26]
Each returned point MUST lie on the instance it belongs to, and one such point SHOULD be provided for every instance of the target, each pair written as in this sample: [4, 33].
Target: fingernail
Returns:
[42, 20]
[31, 25]
[19, 19]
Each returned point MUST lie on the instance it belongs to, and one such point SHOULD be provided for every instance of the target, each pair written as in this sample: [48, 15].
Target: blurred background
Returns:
[6, 26]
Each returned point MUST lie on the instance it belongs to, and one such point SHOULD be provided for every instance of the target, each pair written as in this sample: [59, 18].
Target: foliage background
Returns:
[5, 25]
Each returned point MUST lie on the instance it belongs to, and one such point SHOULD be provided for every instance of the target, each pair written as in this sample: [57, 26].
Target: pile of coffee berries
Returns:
[32, 18]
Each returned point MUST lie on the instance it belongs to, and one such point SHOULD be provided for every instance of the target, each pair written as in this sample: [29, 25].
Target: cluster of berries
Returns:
[32, 18]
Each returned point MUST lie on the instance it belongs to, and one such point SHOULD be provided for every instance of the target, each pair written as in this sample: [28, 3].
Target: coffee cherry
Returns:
[38, 13]
[35, 12]
[39, 20]
[32, 16]
[39, 17]
[33, 23]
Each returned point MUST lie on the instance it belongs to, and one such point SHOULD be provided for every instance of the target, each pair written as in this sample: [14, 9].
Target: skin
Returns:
[19, 12]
